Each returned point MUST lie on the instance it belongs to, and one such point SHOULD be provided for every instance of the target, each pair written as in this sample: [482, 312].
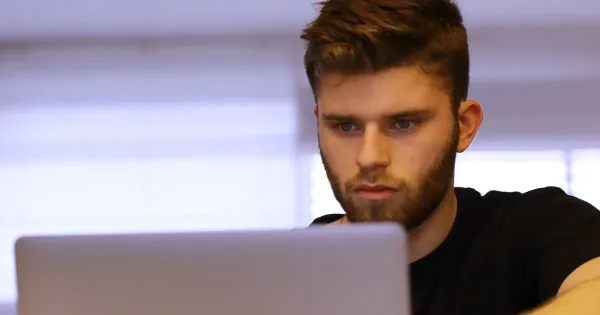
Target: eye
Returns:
[346, 127]
[403, 124]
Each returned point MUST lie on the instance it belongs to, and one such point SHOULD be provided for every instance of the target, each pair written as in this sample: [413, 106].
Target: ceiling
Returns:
[53, 19]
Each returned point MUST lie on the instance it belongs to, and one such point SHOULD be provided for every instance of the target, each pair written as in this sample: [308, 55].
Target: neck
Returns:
[428, 236]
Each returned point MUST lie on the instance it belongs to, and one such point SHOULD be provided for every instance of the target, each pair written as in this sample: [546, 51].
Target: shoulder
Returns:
[554, 234]
[546, 205]
[540, 218]
[545, 202]
[555, 215]
[533, 217]
[327, 219]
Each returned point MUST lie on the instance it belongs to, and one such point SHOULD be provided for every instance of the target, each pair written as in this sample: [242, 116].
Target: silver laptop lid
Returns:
[343, 270]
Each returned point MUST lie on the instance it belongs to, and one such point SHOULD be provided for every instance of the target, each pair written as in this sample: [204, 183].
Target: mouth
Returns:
[375, 192]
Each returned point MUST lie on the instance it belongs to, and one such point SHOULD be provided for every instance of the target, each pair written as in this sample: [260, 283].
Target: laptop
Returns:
[344, 270]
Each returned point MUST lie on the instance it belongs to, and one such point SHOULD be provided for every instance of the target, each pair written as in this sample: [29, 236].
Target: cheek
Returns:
[340, 157]
[405, 165]
[413, 159]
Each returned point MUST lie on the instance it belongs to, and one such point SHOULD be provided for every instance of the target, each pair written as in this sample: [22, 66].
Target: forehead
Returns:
[381, 93]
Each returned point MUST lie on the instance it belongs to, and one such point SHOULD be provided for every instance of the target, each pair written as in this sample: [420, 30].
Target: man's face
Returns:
[388, 142]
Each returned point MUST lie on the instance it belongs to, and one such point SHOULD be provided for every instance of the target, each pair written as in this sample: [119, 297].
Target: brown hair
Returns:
[366, 36]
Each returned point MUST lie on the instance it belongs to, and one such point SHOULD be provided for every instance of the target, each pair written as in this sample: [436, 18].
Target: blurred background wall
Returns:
[127, 116]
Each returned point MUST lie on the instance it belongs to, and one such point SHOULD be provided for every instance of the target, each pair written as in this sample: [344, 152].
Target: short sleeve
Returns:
[564, 233]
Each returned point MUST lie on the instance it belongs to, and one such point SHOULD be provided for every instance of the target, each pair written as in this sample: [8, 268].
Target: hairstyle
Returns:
[366, 36]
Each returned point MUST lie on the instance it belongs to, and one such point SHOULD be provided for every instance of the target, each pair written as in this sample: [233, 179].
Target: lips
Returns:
[375, 192]
[374, 188]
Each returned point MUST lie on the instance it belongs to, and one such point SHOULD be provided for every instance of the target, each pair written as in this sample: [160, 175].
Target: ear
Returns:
[470, 116]
[316, 111]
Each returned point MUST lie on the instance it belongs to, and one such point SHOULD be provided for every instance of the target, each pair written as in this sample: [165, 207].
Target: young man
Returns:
[390, 80]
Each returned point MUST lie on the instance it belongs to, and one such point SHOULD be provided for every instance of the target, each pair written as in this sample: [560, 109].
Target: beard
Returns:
[412, 203]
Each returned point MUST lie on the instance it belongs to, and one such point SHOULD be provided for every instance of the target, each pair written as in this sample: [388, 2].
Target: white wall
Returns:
[146, 71]
[154, 138]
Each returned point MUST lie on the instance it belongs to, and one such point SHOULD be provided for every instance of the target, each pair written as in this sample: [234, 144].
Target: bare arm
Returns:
[578, 295]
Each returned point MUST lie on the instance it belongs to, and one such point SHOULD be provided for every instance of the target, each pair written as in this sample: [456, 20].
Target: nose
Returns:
[374, 153]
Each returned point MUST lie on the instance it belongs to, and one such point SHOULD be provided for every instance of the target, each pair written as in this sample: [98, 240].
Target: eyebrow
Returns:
[423, 113]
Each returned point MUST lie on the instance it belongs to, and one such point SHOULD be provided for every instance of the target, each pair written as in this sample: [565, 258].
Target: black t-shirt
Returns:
[506, 252]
